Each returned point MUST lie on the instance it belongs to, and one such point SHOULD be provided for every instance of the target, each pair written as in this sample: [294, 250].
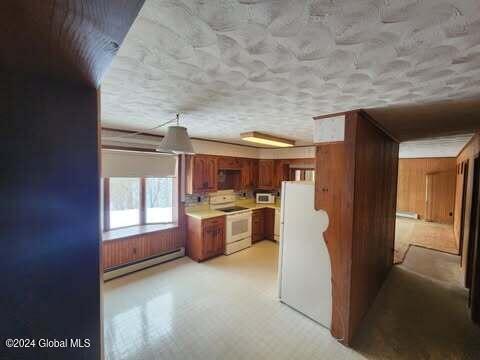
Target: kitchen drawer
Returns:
[220, 220]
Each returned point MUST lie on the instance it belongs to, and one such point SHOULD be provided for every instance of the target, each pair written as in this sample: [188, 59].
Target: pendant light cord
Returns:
[153, 128]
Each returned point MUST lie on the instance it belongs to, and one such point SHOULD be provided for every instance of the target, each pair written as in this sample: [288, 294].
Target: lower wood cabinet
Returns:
[269, 223]
[205, 238]
[258, 225]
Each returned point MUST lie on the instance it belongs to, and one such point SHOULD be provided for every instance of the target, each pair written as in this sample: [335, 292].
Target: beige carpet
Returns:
[422, 233]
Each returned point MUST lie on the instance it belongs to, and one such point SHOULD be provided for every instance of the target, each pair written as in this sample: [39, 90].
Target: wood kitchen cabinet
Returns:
[269, 222]
[205, 238]
[229, 163]
[249, 173]
[254, 172]
[258, 225]
[265, 174]
[201, 174]
[281, 173]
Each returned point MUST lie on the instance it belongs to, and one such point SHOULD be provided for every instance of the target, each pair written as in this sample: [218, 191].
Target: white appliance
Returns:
[304, 262]
[238, 221]
[265, 198]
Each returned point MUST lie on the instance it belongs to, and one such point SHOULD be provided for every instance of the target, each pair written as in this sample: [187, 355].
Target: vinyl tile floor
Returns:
[225, 308]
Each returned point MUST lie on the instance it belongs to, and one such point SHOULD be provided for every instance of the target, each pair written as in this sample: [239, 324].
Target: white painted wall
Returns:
[287, 153]
[216, 148]
[448, 146]
[209, 147]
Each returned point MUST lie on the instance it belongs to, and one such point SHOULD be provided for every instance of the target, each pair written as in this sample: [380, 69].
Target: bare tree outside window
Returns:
[124, 202]
[158, 196]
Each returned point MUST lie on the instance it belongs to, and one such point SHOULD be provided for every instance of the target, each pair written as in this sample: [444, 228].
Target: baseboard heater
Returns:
[407, 214]
[142, 264]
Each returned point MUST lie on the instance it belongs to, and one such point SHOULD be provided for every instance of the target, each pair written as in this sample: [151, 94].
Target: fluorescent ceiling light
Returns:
[265, 139]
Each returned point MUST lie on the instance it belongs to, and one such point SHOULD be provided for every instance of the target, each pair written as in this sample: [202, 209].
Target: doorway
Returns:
[440, 194]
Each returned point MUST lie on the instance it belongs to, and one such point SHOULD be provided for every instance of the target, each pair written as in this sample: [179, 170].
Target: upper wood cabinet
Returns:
[201, 171]
[281, 173]
[229, 163]
[249, 173]
[254, 172]
[265, 174]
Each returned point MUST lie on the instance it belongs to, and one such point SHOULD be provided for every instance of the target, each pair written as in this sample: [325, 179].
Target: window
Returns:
[302, 174]
[124, 204]
[158, 197]
[137, 201]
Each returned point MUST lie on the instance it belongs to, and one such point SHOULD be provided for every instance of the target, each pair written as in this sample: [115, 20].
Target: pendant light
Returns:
[176, 140]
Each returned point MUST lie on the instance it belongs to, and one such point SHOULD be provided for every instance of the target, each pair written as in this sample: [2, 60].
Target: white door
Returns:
[305, 272]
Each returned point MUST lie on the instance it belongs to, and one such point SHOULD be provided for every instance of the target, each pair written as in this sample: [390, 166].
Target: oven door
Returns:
[239, 226]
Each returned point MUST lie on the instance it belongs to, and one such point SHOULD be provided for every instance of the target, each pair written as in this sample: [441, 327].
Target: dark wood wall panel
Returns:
[355, 184]
[127, 250]
[334, 193]
[52, 58]
[411, 195]
[376, 159]
[50, 214]
[465, 164]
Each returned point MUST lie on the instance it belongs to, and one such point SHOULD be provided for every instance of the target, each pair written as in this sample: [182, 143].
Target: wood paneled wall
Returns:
[52, 58]
[465, 162]
[50, 215]
[376, 169]
[411, 195]
[128, 250]
[355, 184]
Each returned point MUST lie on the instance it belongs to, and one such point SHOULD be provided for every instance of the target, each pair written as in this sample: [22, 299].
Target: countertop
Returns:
[204, 212]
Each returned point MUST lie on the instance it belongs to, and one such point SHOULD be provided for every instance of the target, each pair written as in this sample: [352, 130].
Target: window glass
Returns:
[310, 175]
[298, 175]
[124, 202]
[159, 200]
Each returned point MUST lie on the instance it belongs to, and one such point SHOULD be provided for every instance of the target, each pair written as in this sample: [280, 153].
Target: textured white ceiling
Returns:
[447, 146]
[240, 65]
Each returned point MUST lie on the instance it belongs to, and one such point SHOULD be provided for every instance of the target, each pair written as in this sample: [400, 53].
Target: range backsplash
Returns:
[202, 199]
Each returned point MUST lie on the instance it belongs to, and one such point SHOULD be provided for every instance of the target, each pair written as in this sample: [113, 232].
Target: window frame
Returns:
[143, 204]
[302, 173]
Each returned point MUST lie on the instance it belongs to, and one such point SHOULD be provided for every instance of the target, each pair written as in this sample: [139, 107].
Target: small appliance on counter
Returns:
[265, 198]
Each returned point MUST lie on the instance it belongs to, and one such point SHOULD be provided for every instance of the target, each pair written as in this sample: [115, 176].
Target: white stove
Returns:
[238, 221]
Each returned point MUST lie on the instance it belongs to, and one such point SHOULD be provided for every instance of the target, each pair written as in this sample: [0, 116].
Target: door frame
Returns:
[474, 208]
[464, 171]
[474, 295]
[473, 260]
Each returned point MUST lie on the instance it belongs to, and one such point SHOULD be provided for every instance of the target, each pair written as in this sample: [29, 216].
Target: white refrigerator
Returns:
[304, 262]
